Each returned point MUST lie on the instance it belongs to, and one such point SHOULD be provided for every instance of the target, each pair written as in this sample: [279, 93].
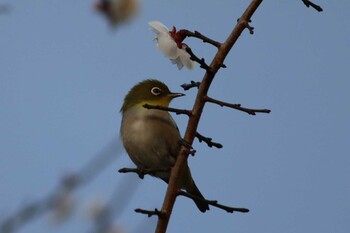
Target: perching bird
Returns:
[151, 137]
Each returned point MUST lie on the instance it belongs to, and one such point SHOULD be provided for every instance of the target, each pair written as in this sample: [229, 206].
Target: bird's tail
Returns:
[193, 189]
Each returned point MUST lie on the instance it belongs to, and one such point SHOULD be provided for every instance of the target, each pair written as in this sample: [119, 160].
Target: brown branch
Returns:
[175, 110]
[215, 203]
[198, 35]
[313, 5]
[150, 213]
[197, 109]
[208, 141]
[246, 24]
[236, 106]
[141, 172]
[187, 86]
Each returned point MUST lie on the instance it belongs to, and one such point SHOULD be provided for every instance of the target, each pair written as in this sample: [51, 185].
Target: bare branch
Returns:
[198, 35]
[141, 172]
[196, 112]
[215, 203]
[237, 106]
[175, 110]
[313, 5]
[187, 86]
[200, 61]
[208, 141]
[150, 213]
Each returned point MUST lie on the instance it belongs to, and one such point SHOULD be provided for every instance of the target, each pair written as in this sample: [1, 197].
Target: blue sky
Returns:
[65, 72]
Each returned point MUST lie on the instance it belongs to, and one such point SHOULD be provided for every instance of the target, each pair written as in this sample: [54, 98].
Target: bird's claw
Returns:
[191, 151]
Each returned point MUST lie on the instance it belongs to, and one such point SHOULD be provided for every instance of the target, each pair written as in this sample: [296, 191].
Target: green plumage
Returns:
[141, 92]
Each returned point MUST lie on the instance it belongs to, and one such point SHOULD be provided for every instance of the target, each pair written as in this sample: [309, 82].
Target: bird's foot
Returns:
[186, 144]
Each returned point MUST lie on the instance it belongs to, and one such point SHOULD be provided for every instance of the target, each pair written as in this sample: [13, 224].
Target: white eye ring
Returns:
[156, 91]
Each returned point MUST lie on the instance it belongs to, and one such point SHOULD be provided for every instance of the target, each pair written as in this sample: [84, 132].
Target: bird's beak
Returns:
[175, 95]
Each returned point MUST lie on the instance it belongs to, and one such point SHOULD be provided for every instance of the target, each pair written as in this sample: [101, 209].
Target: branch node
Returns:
[245, 24]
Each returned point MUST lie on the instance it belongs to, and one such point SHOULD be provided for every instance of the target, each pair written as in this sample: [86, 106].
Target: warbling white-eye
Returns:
[151, 137]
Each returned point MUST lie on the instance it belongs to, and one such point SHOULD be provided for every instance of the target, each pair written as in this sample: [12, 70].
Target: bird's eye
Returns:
[156, 91]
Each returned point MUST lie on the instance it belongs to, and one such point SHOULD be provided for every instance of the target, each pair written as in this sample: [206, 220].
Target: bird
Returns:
[151, 137]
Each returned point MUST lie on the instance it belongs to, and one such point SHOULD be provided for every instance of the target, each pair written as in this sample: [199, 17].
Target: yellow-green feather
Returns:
[141, 94]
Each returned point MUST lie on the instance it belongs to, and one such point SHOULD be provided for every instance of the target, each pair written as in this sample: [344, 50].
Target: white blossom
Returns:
[170, 47]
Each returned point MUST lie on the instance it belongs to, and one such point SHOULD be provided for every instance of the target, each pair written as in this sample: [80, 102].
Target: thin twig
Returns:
[200, 61]
[237, 106]
[141, 172]
[208, 141]
[162, 108]
[313, 5]
[187, 86]
[149, 213]
[198, 35]
[215, 203]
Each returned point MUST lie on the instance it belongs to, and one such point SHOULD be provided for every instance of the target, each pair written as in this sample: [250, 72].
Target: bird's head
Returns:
[151, 92]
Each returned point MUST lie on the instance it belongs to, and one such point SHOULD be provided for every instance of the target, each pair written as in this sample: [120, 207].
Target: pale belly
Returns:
[149, 145]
